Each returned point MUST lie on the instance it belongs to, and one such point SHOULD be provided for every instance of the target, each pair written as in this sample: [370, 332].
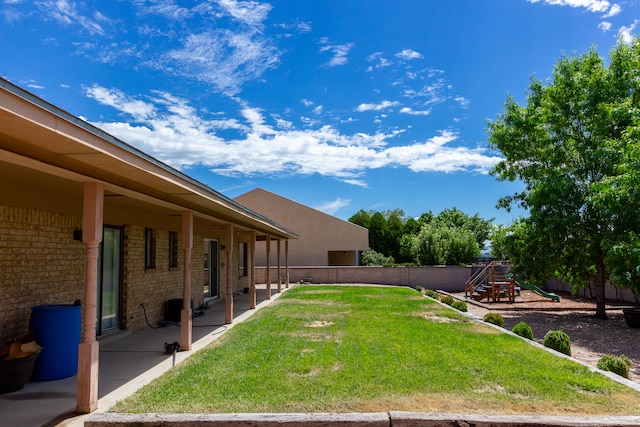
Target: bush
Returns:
[558, 341]
[523, 330]
[459, 305]
[495, 319]
[617, 364]
[431, 293]
[447, 300]
[419, 288]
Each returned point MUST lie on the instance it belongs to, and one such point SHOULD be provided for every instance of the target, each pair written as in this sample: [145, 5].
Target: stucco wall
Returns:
[319, 233]
[450, 278]
[446, 278]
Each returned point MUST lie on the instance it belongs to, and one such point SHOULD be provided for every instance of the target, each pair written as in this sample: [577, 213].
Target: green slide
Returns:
[537, 290]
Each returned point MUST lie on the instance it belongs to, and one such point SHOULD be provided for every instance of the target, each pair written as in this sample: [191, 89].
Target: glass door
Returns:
[109, 280]
[212, 267]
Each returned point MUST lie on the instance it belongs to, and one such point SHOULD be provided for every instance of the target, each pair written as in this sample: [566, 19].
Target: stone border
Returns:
[372, 419]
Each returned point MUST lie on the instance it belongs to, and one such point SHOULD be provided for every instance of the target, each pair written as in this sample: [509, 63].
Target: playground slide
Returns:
[537, 290]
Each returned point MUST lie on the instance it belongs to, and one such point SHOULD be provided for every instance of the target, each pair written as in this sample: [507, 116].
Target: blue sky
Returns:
[341, 105]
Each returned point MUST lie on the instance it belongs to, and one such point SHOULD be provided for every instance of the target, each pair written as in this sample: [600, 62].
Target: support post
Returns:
[268, 270]
[88, 350]
[252, 270]
[286, 261]
[279, 269]
[186, 316]
[228, 300]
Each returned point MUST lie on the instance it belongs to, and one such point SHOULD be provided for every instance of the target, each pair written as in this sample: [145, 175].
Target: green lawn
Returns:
[369, 349]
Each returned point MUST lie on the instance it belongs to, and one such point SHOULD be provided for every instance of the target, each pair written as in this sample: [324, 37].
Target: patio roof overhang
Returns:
[42, 143]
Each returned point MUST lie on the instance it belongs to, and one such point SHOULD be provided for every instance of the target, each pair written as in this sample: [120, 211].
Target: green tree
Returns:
[481, 228]
[395, 229]
[569, 144]
[439, 244]
[371, 257]
[361, 218]
[379, 234]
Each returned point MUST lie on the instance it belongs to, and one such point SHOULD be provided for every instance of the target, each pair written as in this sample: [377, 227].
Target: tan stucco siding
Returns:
[319, 233]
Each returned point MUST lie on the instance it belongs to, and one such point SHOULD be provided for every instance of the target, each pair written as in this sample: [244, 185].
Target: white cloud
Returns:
[605, 26]
[615, 10]
[377, 107]
[169, 129]
[464, 102]
[249, 12]
[409, 54]
[407, 110]
[333, 206]
[590, 5]
[626, 33]
[339, 51]
[66, 12]
[223, 59]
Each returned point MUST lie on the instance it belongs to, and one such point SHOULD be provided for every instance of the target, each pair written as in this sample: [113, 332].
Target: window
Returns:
[149, 249]
[173, 249]
[242, 259]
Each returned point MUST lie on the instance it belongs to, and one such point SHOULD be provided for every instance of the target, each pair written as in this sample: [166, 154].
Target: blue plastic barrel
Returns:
[57, 328]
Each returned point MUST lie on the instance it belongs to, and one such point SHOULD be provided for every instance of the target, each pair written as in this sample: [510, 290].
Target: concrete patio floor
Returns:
[127, 362]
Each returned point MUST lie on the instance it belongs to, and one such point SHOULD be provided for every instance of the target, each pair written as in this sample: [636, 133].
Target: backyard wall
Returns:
[446, 278]
[450, 279]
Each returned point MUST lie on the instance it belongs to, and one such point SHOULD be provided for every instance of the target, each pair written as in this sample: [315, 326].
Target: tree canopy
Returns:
[574, 144]
[451, 237]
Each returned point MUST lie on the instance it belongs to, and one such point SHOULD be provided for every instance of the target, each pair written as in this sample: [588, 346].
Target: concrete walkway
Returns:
[127, 362]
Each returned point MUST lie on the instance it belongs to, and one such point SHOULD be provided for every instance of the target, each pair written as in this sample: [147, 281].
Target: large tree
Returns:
[572, 144]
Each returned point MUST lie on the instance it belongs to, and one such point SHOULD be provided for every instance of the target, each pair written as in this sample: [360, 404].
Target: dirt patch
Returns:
[319, 324]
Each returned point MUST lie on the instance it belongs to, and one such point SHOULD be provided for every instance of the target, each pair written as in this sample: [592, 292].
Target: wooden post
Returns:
[279, 271]
[286, 261]
[252, 270]
[88, 350]
[186, 317]
[268, 270]
[228, 299]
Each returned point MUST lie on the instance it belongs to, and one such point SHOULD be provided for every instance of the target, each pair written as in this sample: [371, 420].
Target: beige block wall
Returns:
[40, 263]
[153, 287]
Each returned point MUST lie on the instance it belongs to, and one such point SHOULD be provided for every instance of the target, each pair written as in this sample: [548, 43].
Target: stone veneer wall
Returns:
[40, 263]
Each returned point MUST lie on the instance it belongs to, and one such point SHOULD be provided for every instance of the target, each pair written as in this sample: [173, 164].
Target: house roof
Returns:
[38, 138]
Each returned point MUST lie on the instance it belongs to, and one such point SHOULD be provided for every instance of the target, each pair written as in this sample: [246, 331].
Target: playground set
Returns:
[494, 282]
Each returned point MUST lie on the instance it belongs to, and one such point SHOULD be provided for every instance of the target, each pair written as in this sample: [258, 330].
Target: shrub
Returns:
[447, 300]
[523, 330]
[617, 364]
[495, 319]
[419, 288]
[558, 341]
[459, 305]
[431, 293]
